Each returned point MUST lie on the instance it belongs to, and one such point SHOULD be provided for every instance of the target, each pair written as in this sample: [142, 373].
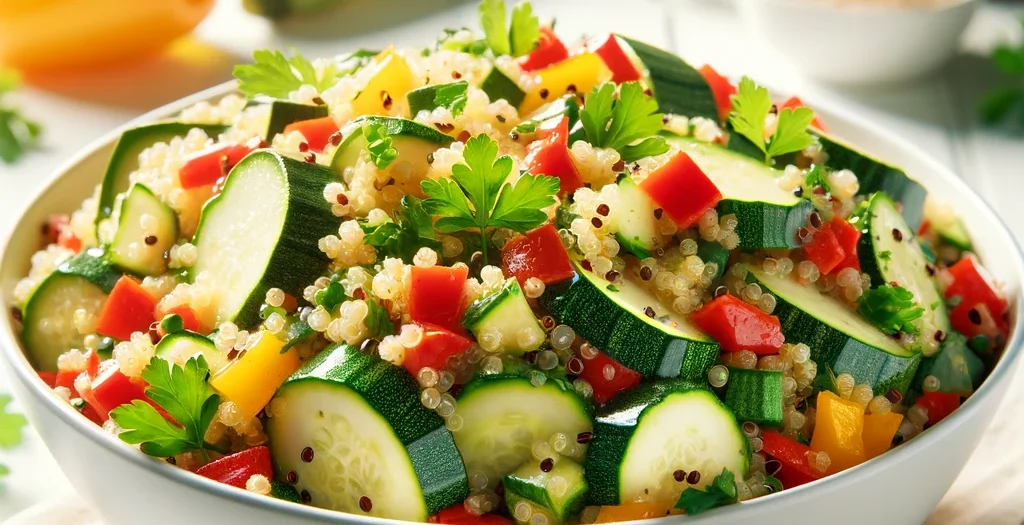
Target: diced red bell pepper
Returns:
[49, 378]
[623, 378]
[66, 378]
[795, 102]
[128, 309]
[437, 345]
[539, 254]
[721, 89]
[825, 250]
[91, 411]
[189, 320]
[550, 156]
[848, 236]
[112, 388]
[974, 287]
[236, 469]
[682, 190]
[435, 296]
[795, 469]
[738, 325]
[618, 62]
[58, 231]
[212, 164]
[939, 405]
[550, 50]
[458, 515]
[317, 131]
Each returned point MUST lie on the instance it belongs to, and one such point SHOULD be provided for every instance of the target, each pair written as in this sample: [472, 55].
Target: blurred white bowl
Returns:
[851, 42]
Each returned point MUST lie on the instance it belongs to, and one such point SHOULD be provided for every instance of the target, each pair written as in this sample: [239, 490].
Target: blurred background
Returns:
[946, 75]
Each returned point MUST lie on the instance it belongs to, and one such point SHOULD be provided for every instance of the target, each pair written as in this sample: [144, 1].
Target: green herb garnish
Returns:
[816, 177]
[518, 39]
[751, 106]
[461, 40]
[721, 491]
[452, 96]
[378, 321]
[890, 308]
[330, 296]
[773, 483]
[612, 288]
[172, 324]
[1003, 101]
[182, 392]
[619, 124]
[379, 145]
[275, 75]
[402, 237]
[477, 196]
[885, 255]
[17, 133]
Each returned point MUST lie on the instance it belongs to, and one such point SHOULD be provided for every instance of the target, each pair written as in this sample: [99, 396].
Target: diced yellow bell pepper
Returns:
[253, 378]
[879, 429]
[633, 511]
[839, 431]
[388, 86]
[583, 72]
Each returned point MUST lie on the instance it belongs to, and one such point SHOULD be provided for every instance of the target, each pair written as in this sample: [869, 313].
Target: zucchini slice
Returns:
[428, 98]
[840, 339]
[48, 330]
[755, 395]
[507, 313]
[638, 233]
[182, 346]
[413, 141]
[138, 247]
[353, 427]
[679, 88]
[646, 434]
[283, 113]
[498, 86]
[503, 415]
[557, 493]
[262, 231]
[613, 319]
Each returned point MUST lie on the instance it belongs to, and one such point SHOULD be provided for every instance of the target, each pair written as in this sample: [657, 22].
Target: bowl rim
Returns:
[852, 7]
[21, 369]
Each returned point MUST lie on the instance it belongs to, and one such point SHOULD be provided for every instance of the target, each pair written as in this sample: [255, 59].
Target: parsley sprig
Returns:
[519, 38]
[17, 133]
[379, 145]
[619, 123]
[10, 428]
[182, 392]
[721, 491]
[891, 308]
[378, 322]
[1001, 102]
[275, 75]
[403, 236]
[751, 106]
[477, 196]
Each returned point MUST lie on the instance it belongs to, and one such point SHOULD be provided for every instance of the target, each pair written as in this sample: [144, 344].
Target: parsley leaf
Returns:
[10, 424]
[275, 75]
[750, 107]
[520, 39]
[524, 32]
[477, 196]
[378, 321]
[402, 237]
[183, 392]
[791, 133]
[492, 19]
[17, 133]
[890, 308]
[816, 177]
[330, 296]
[452, 96]
[378, 144]
[721, 491]
[617, 124]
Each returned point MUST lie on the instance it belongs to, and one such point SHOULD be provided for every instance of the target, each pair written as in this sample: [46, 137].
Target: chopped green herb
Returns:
[827, 381]
[721, 491]
[629, 124]
[773, 483]
[461, 40]
[295, 332]
[526, 126]
[330, 296]
[519, 39]
[378, 144]
[934, 305]
[885, 255]
[815, 178]
[403, 236]
[275, 75]
[17, 133]
[378, 321]
[612, 288]
[751, 106]
[452, 96]
[890, 308]
[172, 324]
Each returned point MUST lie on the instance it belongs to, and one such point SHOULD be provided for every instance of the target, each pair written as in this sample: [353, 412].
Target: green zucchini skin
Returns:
[755, 395]
[283, 113]
[498, 86]
[678, 87]
[762, 225]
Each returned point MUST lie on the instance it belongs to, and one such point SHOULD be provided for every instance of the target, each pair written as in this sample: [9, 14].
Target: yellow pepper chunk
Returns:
[251, 380]
[634, 511]
[387, 87]
[879, 429]
[839, 431]
[583, 72]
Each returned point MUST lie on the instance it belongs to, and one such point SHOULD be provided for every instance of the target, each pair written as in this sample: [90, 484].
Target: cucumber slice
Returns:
[48, 330]
[125, 157]
[646, 434]
[840, 339]
[428, 98]
[498, 86]
[262, 231]
[182, 346]
[414, 141]
[613, 320]
[283, 113]
[889, 253]
[679, 88]
[755, 395]
[353, 427]
[958, 369]
[557, 493]
[876, 176]
[638, 233]
[503, 415]
[507, 314]
[131, 248]
[767, 216]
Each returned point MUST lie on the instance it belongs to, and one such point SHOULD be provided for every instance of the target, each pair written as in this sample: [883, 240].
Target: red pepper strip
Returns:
[596, 372]
[974, 288]
[237, 468]
[317, 131]
[111, 389]
[738, 325]
[128, 309]
[939, 405]
[539, 253]
[618, 62]
[435, 296]
[682, 190]
[794, 103]
[848, 237]
[437, 345]
[550, 156]
[212, 164]
[458, 515]
[550, 50]
[795, 469]
[825, 250]
[721, 89]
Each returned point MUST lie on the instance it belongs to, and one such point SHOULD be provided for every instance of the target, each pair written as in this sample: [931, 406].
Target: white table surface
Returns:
[936, 113]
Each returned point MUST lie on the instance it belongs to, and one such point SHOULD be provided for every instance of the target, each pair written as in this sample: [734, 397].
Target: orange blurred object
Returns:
[38, 35]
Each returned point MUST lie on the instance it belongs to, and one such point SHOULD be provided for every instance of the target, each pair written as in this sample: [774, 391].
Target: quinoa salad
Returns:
[507, 278]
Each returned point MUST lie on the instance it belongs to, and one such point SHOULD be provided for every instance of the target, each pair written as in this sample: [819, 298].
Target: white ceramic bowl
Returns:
[851, 43]
[128, 488]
